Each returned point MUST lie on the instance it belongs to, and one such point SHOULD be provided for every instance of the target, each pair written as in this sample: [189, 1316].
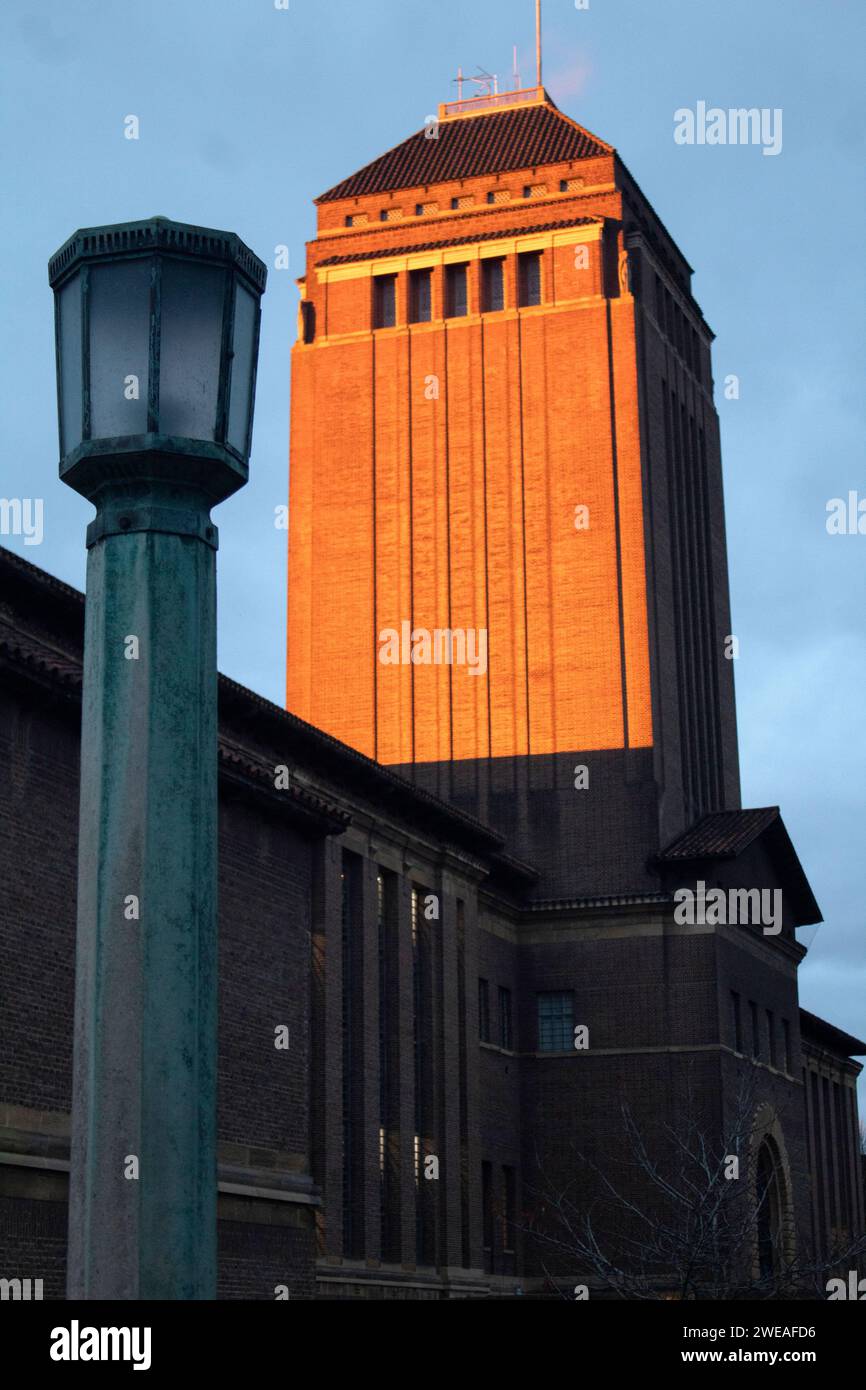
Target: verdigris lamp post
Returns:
[157, 343]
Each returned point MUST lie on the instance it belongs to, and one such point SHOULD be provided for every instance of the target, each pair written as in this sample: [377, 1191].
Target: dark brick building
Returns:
[429, 999]
[445, 964]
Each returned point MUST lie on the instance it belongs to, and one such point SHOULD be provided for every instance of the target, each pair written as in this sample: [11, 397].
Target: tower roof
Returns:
[490, 139]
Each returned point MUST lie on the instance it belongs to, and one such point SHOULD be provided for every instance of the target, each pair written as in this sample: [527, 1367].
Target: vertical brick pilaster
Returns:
[450, 1083]
[473, 1086]
[328, 931]
[406, 1073]
[370, 1062]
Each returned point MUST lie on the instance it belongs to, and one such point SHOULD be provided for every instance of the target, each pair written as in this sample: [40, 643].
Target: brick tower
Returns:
[507, 565]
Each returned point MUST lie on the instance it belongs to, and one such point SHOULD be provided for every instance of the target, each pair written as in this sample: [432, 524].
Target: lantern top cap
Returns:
[156, 234]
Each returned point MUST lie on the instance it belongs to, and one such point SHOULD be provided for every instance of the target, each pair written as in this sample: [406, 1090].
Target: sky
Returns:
[247, 112]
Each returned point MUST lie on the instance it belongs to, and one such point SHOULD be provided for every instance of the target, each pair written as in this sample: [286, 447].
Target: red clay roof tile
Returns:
[495, 143]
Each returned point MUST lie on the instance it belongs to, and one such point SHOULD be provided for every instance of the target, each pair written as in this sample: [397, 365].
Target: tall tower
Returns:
[507, 564]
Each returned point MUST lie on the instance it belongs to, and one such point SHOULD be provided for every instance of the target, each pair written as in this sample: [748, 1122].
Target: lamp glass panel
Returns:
[119, 347]
[71, 374]
[242, 369]
[191, 324]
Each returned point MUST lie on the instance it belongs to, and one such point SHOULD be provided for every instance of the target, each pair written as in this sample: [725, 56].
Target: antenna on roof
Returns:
[538, 43]
[488, 82]
[459, 80]
[515, 73]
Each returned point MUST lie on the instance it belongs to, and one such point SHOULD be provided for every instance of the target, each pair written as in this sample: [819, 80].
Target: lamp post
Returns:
[157, 327]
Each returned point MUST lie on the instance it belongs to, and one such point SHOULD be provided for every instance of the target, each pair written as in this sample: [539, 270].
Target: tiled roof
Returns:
[721, 834]
[460, 240]
[497, 143]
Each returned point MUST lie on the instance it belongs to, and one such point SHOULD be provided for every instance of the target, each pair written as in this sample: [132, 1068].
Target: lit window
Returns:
[420, 283]
[456, 304]
[493, 284]
[414, 916]
[555, 1022]
[529, 277]
[385, 301]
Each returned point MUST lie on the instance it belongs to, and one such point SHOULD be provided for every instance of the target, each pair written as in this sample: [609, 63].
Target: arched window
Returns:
[769, 1203]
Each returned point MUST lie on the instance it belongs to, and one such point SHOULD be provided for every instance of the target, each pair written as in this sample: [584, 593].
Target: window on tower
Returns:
[420, 284]
[492, 284]
[456, 304]
[529, 277]
[384, 301]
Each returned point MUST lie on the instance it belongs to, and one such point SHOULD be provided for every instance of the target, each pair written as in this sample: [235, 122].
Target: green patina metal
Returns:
[143, 1177]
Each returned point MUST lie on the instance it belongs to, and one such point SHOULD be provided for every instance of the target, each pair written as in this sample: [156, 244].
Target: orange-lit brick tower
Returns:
[507, 569]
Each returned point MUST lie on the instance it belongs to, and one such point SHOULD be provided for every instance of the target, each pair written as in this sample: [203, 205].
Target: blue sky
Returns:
[247, 112]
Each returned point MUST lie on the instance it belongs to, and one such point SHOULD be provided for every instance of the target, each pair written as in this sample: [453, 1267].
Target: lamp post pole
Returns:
[157, 335]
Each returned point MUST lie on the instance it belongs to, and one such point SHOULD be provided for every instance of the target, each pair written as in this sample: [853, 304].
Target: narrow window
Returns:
[510, 1213]
[487, 1207]
[555, 1022]
[384, 301]
[756, 1039]
[420, 299]
[484, 1011]
[492, 284]
[771, 1038]
[738, 1022]
[456, 306]
[529, 277]
[786, 1041]
[506, 1036]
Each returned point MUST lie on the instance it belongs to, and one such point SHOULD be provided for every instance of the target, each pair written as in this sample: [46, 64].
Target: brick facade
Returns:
[412, 929]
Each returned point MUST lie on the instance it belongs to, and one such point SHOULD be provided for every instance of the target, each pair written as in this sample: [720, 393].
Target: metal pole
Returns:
[538, 43]
[144, 1167]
